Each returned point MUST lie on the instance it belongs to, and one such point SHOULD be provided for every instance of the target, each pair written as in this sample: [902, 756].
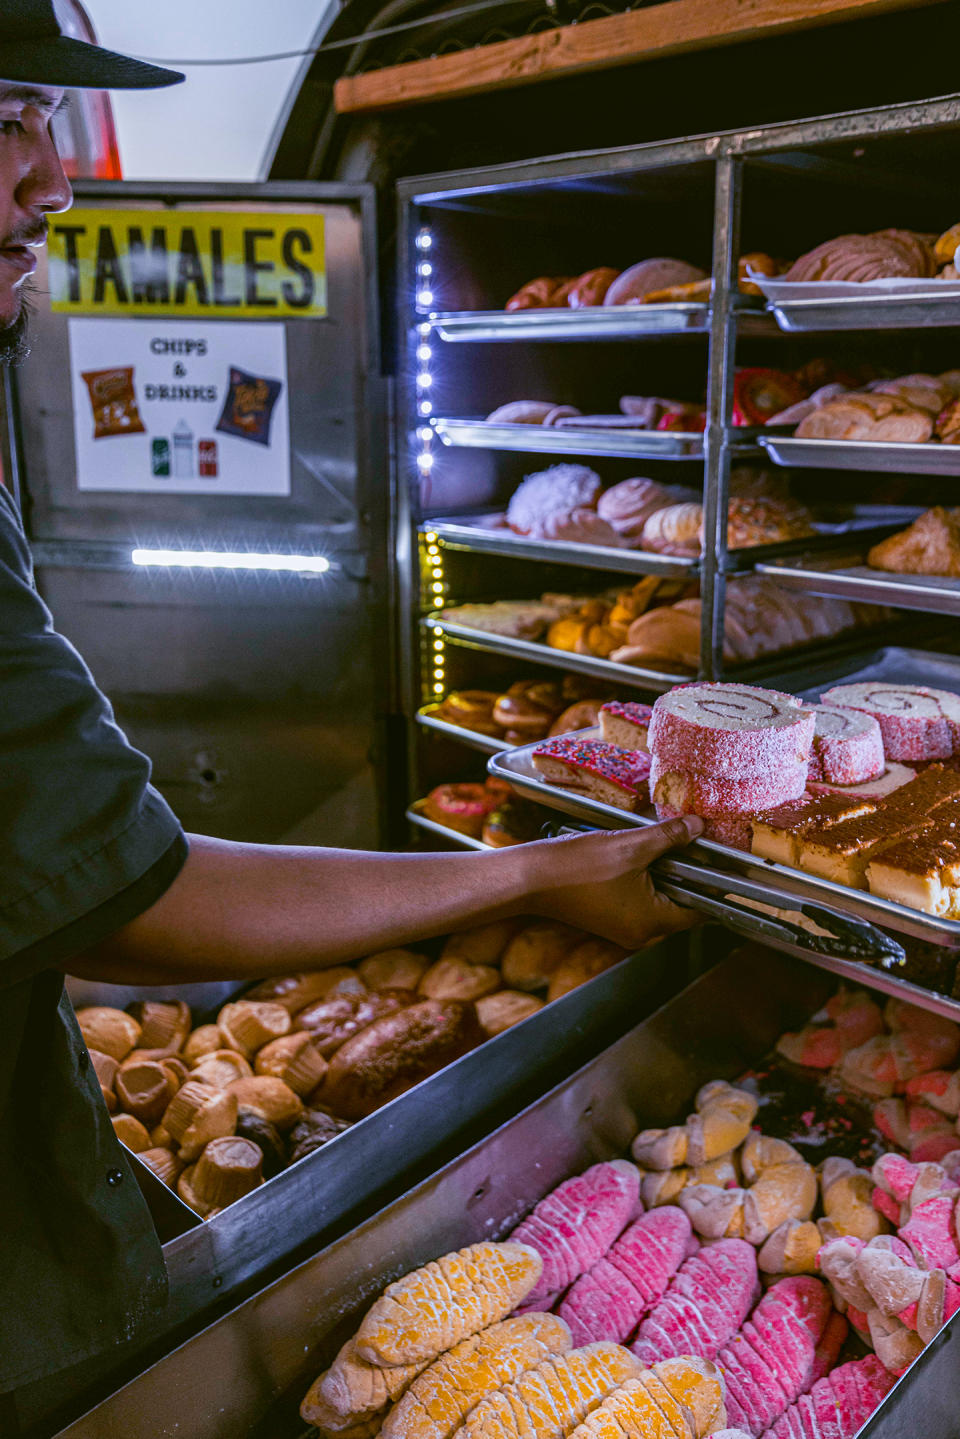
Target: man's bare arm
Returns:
[238, 910]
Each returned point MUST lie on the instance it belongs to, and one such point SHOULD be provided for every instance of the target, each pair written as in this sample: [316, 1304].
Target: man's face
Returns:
[32, 184]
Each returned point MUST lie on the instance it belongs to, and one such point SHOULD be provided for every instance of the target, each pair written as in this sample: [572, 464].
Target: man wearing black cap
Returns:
[98, 879]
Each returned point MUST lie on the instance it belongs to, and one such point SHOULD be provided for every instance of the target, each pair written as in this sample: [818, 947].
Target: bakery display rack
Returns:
[593, 322]
[619, 440]
[847, 578]
[422, 821]
[853, 313]
[247, 1372]
[485, 743]
[895, 459]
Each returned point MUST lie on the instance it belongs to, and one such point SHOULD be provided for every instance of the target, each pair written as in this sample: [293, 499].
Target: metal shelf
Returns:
[485, 743]
[867, 312]
[453, 836]
[478, 537]
[541, 654]
[928, 459]
[594, 322]
[935, 595]
[621, 441]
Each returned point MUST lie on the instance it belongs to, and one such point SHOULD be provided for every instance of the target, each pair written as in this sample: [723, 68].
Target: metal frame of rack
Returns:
[728, 315]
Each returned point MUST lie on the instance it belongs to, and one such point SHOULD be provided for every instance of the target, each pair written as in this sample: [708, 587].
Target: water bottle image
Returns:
[182, 451]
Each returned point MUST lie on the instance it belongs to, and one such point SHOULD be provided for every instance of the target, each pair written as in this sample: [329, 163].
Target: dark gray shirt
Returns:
[87, 844]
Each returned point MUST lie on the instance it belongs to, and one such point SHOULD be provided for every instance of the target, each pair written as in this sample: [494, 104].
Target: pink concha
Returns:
[717, 796]
[847, 746]
[576, 1224]
[916, 723]
[705, 1305]
[738, 731]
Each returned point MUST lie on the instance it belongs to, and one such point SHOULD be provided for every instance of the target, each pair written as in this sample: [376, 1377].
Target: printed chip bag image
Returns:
[114, 402]
[248, 408]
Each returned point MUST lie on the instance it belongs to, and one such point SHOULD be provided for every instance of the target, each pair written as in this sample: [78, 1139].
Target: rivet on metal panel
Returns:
[217, 1281]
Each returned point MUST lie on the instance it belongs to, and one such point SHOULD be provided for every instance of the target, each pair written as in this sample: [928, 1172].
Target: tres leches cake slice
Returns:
[597, 770]
[923, 871]
[777, 834]
[842, 853]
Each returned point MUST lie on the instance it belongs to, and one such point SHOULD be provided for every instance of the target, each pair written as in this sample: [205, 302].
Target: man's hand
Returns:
[600, 883]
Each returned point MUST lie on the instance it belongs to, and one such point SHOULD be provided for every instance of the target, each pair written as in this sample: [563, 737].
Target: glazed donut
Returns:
[463, 807]
[585, 714]
[471, 709]
[528, 707]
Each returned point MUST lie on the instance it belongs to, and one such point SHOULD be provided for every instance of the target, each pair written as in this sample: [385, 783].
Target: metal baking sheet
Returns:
[484, 536]
[594, 322]
[486, 743]
[552, 440]
[516, 768]
[934, 594]
[453, 836]
[246, 1374]
[542, 654]
[929, 459]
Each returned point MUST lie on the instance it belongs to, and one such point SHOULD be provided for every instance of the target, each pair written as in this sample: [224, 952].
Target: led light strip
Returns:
[231, 560]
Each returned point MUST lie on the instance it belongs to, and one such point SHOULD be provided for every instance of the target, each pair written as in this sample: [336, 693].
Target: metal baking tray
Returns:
[928, 459]
[867, 312]
[485, 743]
[330, 1191]
[855, 581]
[246, 1374]
[481, 536]
[541, 654]
[594, 322]
[571, 440]
[453, 836]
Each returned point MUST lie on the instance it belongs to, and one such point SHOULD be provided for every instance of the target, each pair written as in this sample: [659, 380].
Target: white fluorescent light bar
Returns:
[230, 560]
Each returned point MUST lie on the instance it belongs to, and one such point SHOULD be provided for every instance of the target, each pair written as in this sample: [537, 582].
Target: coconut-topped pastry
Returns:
[847, 746]
[916, 723]
[600, 771]
[738, 731]
[625, 723]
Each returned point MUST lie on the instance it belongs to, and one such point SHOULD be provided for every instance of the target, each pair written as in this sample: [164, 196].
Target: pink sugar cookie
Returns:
[717, 796]
[916, 723]
[730, 730]
[572, 1227]
[847, 746]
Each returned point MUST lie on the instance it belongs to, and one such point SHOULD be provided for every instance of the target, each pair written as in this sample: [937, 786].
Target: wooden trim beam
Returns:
[670, 28]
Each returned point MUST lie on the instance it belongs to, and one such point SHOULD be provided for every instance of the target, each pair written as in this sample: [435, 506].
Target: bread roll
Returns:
[131, 1133]
[483, 944]
[221, 1068]
[201, 1042]
[633, 286]
[591, 288]
[501, 1011]
[352, 1388]
[108, 1030]
[393, 1054]
[392, 969]
[270, 1098]
[456, 979]
[333, 1021]
[296, 991]
[533, 956]
[586, 960]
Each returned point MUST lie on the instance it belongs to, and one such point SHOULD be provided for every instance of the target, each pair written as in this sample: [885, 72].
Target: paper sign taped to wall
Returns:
[179, 407]
[223, 264]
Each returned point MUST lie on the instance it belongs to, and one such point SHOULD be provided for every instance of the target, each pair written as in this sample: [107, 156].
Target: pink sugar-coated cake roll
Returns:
[704, 1306]
[891, 777]
[716, 796]
[612, 1297]
[773, 1357]
[625, 723]
[576, 1224]
[733, 830]
[837, 1406]
[604, 772]
[730, 730]
[847, 746]
[916, 723]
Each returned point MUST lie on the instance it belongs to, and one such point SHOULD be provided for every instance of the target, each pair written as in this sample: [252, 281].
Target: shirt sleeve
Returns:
[81, 822]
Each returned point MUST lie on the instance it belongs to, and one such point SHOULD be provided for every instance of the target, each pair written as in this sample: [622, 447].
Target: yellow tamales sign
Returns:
[218, 264]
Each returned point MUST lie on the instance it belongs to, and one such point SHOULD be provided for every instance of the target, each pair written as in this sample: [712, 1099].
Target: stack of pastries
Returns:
[649, 282]
[881, 255]
[909, 409]
[216, 1109]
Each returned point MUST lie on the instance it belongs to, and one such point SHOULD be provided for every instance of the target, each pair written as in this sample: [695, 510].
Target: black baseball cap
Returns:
[33, 50]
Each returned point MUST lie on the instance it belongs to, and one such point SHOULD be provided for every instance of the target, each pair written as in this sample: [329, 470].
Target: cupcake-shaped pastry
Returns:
[200, 1043]
[105, 1068]
[221, 1068]
[247, 1025]
[164, 1163]
[161, 1138]
[196, 1114]
[131, 1132]
[270, 1098]
[227, 1169]
[145, 1088]
[295, 1059]
[175, 1066]
[164, 1026]
[108, 1030]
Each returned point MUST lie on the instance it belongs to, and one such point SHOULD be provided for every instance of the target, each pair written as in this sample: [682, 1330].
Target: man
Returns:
[97, 878]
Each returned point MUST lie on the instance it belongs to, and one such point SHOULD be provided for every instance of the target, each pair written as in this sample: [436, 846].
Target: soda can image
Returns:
[207, 458]
[160, 457]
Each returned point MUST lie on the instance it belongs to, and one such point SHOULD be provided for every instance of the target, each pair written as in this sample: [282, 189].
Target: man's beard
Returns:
[14, 342]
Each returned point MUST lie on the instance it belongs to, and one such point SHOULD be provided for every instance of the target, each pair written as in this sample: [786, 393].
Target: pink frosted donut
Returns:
[847, 746]
[737, 731]
[916, 723]
[716, 796]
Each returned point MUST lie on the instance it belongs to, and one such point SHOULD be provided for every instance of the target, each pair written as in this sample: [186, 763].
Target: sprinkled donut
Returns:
[916, 723]
[737, 731]
[847, 746]
[717, 796]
